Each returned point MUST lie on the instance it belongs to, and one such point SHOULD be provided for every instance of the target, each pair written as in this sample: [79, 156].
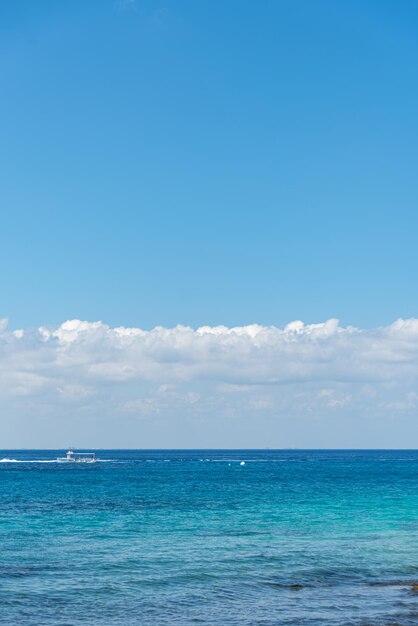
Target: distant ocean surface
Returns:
[194, 537]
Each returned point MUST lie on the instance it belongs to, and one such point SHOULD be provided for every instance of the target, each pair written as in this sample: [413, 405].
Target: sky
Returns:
[232, 166]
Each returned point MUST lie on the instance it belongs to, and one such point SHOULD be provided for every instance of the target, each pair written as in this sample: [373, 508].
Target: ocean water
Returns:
[194, 537]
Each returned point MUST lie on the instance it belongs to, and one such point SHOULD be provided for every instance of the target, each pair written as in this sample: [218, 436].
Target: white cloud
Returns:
[198, 379]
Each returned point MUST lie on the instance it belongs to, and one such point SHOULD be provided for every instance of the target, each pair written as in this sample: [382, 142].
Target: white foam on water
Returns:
[28, 461]
[5, 460]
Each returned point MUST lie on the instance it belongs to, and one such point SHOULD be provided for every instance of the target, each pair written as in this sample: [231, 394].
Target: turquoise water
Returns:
[176, 537]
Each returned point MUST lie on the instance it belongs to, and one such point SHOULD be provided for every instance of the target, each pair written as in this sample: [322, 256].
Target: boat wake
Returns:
[28, 461]
[6, 460]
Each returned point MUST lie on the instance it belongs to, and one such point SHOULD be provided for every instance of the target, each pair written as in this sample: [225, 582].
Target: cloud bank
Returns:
[318, 384]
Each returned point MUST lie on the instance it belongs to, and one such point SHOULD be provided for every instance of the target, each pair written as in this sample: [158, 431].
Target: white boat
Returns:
[78, 457]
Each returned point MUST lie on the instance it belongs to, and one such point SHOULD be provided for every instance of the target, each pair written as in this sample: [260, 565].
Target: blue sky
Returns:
[208, 162]
[198, 175]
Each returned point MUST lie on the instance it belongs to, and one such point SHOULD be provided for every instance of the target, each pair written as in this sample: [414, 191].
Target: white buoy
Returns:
[242, 463]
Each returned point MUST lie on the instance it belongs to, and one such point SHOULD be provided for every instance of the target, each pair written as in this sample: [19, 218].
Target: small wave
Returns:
[28, 461]
[248, 460]
[6, 460]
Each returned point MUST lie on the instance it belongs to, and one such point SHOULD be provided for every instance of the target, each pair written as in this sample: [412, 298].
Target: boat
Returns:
[78, 457]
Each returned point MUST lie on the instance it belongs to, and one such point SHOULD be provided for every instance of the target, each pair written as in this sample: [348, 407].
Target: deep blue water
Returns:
[193, 537]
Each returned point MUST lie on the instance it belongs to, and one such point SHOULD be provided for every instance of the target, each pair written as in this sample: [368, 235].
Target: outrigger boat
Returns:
[78, 457]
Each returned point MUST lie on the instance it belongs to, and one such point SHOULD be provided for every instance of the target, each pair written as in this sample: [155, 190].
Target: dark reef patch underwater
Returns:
[194, 537]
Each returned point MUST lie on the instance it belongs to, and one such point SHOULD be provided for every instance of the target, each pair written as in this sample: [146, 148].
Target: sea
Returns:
[216, 537]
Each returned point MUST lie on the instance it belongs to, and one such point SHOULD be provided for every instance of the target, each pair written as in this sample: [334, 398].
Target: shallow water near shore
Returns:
[194, 537]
